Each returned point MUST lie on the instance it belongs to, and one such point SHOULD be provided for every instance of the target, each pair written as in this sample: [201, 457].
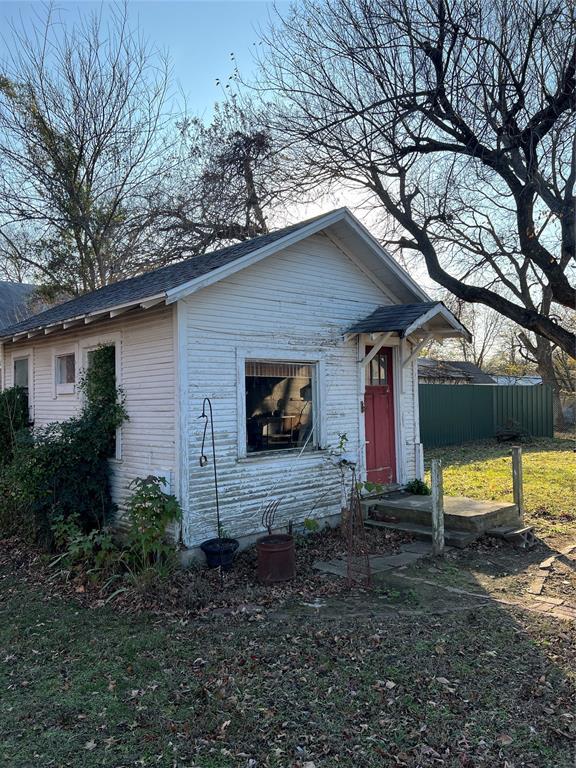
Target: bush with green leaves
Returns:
[96, 552]
[62, 470]
[141, 557]
[13, 419]
[418, 487]
[150, 512]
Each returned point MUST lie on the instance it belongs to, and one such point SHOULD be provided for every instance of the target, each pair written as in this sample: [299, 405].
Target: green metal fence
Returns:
[451, 414]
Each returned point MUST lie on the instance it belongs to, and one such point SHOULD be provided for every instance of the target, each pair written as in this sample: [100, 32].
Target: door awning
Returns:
[431, 318]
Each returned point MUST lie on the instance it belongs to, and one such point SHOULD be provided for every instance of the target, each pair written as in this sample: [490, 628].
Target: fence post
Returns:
[517, 482]
[437, 507]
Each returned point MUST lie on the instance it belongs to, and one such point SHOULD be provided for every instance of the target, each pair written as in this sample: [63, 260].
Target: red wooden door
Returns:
[379, 415]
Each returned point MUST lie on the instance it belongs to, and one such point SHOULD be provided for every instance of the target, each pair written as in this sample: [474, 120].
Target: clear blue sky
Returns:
[199, 36]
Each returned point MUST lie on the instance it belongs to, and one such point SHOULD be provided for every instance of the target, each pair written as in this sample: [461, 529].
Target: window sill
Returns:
[282, 455]
[65, 389]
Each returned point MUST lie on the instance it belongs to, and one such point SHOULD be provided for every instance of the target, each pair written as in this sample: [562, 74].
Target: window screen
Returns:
[66, 369]
[21, 373]
[279, 405]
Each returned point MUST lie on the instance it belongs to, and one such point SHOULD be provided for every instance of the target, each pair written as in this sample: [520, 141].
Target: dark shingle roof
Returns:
[452, 369]
[14, 302]
[439, 369]
[150, 283]
[475, 374]
[396, 318]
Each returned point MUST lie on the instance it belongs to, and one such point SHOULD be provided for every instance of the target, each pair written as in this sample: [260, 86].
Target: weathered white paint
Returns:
[296, 305]
[145, 364]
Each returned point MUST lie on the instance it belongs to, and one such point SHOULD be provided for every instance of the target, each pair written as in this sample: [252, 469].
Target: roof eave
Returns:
[456, 329]
[82, 319]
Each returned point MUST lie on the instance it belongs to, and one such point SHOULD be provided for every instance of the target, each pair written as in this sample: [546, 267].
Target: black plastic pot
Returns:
[220, 552]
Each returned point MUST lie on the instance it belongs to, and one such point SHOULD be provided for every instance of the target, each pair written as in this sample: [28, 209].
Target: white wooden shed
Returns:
[297, 337]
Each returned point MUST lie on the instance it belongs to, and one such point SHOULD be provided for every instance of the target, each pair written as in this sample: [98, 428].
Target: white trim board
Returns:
[280, 354]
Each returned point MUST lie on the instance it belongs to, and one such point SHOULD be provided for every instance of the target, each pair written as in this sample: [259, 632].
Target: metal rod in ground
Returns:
[437, 507]
[517, 480]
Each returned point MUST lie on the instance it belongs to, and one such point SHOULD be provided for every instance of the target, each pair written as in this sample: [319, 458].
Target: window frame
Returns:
[64, 390]
[28, 356]
[18, 359]
[281, 355]
[89, 345]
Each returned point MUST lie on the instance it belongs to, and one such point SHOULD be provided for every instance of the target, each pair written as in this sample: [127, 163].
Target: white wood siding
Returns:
[297, 303]
[147, 376]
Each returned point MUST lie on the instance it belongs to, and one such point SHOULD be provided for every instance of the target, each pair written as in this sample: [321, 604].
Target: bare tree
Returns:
[460, 119]
[484, 324]
[82, 117]
[228, 178]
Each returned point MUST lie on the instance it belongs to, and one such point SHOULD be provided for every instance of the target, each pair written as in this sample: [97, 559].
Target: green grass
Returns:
[93, 687]
[483, 470]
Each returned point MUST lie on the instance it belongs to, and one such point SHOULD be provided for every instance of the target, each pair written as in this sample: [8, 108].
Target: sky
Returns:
[198, 36]
[205, 40]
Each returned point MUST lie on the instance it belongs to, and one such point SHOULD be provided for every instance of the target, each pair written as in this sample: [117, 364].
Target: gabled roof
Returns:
[461, 370]
[439, 369]
[175, 281]
[14, 299]
[149, 284]
[404, 319]
[472, 371]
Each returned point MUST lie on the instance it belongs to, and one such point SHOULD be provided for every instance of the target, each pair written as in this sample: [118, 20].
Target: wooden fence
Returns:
[451, 414]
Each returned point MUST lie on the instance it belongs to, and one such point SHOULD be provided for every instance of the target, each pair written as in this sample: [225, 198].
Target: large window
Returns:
[279, 405]
[66, 374]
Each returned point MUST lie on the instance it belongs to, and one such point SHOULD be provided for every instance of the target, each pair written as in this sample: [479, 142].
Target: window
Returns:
[103, 360]
[65, 374]
[279, 405]
[378, 374]
[21, 373]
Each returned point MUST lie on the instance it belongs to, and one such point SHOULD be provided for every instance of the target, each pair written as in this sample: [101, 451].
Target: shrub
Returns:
[150, 512]
[418, 487]
[13, 418]
[62, 471]
[96, 552]
[145, 555]
[512, 430]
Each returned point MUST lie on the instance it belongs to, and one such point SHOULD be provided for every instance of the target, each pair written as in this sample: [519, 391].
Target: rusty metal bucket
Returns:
[276, 558]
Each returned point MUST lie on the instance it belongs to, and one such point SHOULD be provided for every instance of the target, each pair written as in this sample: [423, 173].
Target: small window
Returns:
[21, 373]
[279, 405]
[379, 370]
[65, 374]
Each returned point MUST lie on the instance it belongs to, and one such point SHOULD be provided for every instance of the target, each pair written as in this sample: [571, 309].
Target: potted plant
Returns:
[276, 555]
[219, 551]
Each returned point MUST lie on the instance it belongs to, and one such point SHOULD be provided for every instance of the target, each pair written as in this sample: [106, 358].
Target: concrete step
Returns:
[460, 513]
[452, 538]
